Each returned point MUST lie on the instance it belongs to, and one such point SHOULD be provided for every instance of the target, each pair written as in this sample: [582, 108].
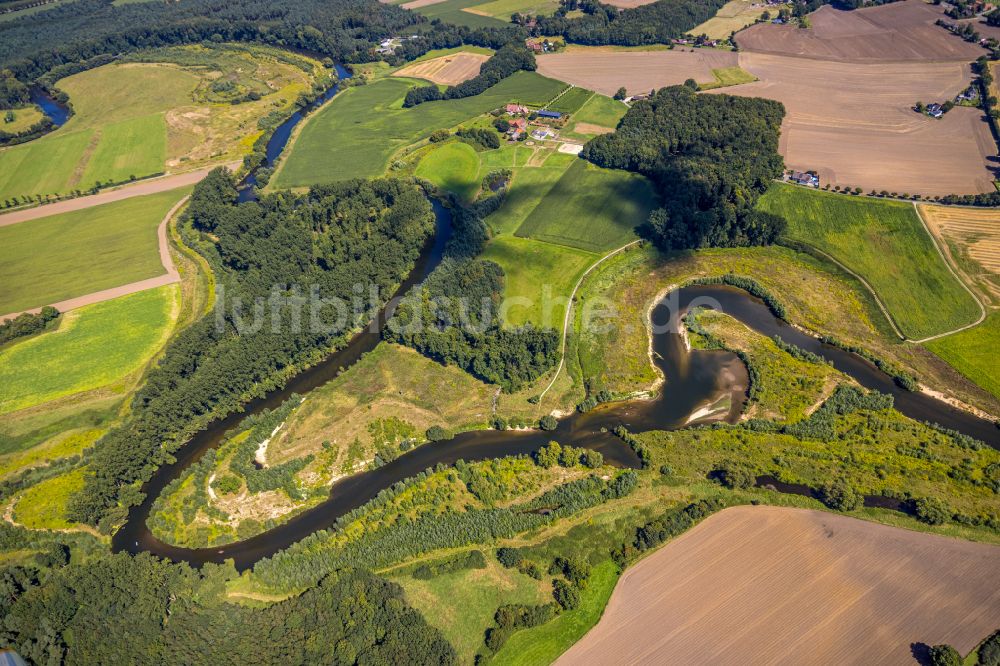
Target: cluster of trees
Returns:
[26, 324]
[453, 318]
[845, 400]
[667, 526]
[13, 93]
[324, 243]
[477, 136]
[474, 559]
[564, 455]
[344, 30]
[313, 558]
[140, 610]
[513, 617]
[509, 59]
[601, 24]
[272, 477]
[711, 157]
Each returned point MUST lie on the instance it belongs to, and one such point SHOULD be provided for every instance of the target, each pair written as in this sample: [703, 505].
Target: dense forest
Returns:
[655, 23]
[711, 157]
[283, 266]
[140, 610]
[507, 60]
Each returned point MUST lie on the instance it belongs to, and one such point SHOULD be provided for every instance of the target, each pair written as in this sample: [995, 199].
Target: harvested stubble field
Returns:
[899, 31]
[606, 71]
[854, 125]
[733, 17]
[971, 234]
[756, 585]
[447, 70]
[629, 4]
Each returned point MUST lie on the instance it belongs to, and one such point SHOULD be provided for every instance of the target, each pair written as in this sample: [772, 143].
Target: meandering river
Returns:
[693, 380]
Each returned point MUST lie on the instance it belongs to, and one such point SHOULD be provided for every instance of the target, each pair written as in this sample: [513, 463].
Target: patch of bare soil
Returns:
[898, 31]
[854, 124]
[447, 70]
[639, 71]
[766, 585]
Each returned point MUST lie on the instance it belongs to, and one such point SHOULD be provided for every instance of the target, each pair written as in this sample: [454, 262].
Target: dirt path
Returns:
[569, 311]
[170, 277]
[151, 186]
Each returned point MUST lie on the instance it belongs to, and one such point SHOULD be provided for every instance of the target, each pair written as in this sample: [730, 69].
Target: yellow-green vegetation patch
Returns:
[94, 346]
[13, 121]
[60, 446]
[540, 277]
[43, 506]
[785, 387]
[543, 644]
[885, 243]
[358, 131]
[42, 166]
[55, 258]
[602, 111]
[591, 208]
[128, 149]
[462, 604]
[973, 352]
[452, 11]
[728, 76]
[390, 385]
[453, 167]
[503, 9]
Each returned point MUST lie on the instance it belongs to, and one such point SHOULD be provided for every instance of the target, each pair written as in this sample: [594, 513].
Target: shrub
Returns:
[509, 557]
[437, 433]
[944, 655]
[932, 511]
[989, 651]
[841, 495]
[734, 475]
[548, 422]
[565, 594]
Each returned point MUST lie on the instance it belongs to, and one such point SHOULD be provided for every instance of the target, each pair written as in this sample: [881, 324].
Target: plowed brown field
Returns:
[447, 70]
[898, 31]
[639, 71]
[766, 585]
[853, 123]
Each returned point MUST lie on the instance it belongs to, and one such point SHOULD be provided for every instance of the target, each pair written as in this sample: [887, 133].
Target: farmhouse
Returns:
[970, 94]
[542, 133]
[516, 109]
[517, 128]
[807, 178]
[935, 110]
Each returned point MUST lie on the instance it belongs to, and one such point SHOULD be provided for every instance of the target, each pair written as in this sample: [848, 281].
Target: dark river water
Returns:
[694, 379]
[57, 111]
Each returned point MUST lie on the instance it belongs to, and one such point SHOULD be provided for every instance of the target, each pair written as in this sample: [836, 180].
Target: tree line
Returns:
[710, 156]
[507, 60]
[602, 24]
[329, 240]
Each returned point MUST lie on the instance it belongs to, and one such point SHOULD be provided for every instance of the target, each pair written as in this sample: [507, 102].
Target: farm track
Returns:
[170, 277]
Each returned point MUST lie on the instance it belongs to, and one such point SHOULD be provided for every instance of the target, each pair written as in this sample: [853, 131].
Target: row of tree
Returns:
[507, 60]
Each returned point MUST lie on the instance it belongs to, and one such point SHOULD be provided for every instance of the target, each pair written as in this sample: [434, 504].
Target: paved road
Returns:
[141, 188]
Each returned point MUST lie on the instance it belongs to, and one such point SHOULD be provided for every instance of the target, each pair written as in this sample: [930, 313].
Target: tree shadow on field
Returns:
[921, 653]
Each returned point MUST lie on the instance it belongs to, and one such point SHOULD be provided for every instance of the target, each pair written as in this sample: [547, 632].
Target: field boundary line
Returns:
[947, 263]
[172, 276]
[569, 311]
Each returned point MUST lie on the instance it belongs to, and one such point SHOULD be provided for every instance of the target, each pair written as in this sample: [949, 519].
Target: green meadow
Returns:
[973, 352]
[453, 167]
[93, 347]
[62, 256]
[590, 208]
[572, 100]
[117, 132]
[357, 132]
[885, 243]
[450, 11]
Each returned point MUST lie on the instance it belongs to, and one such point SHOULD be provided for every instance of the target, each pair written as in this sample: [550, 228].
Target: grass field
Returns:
[728, 76]
[886, 243]
[43, 506]
[358, 131]
[462, 604]
[591, 209]
[93, 347]
[62, 256]
[733, 17]
[450, 11]
[503, 9]
[974, 353]
[541, 645]
[539, 278]
[143, 118]
[572, 100]
[60, 446]
[454, 167]
[23, 119]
